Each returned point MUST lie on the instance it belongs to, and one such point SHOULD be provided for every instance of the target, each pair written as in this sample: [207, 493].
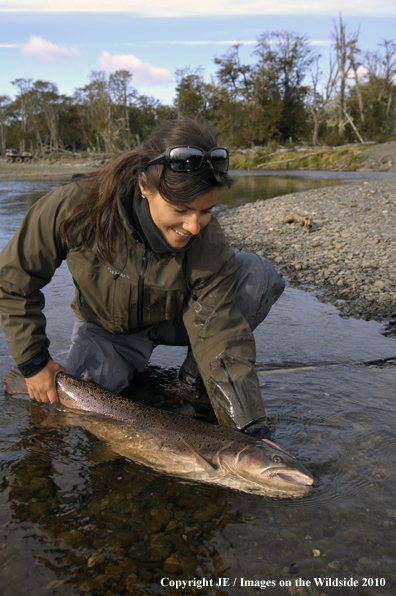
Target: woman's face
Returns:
[178, 223]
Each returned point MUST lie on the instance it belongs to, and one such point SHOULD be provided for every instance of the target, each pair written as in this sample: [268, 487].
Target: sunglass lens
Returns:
[219, 159]
[185, 159]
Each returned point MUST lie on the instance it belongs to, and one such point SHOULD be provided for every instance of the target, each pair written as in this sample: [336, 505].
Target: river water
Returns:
[76, 520]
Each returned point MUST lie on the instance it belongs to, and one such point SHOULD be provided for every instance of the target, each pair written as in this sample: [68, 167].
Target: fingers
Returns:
[42, 386]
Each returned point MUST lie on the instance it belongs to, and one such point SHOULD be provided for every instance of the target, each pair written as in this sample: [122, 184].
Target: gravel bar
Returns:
[347, 257]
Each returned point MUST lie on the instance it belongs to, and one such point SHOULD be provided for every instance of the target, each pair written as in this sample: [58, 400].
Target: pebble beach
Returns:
[347, 257]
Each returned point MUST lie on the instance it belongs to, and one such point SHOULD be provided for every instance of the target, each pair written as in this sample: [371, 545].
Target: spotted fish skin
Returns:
[179, 445]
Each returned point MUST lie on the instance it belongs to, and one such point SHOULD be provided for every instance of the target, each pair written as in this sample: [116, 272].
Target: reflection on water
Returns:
[248, 189]
[251, 186]
[78, 520]
[16, 198]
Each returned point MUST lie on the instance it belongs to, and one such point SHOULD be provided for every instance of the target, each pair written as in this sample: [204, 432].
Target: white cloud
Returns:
[143, 73]
[211, 42]
[175, 8]
[37, 47]
[362, 73]
[207, 42]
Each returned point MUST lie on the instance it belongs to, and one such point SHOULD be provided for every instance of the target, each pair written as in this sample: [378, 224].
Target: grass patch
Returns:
[310, 158]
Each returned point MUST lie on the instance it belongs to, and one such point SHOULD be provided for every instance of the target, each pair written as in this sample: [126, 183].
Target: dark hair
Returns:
[98, 210]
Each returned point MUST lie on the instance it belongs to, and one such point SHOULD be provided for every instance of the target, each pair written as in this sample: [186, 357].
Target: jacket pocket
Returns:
[124, 306]
[161, 305]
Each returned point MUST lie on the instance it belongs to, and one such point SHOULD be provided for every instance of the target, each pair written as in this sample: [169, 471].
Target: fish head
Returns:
[265, 465]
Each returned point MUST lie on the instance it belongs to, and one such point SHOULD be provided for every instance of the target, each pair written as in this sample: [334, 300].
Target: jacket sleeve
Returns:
[221, 339]
[27, 264]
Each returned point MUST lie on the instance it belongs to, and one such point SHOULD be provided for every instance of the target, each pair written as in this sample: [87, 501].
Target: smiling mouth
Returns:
[181, 234]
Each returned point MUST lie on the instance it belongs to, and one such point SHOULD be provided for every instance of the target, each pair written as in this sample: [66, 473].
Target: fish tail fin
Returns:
[14, 382]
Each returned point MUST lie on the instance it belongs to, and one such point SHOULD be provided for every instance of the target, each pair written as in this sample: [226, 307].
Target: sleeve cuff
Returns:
[34, 365]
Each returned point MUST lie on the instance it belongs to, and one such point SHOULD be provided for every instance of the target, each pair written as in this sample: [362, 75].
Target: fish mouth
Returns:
[290, 476]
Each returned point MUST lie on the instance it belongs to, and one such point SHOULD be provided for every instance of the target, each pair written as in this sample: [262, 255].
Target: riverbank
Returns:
[357, 157]
[348, 256]
[46, 169]
[362, 158]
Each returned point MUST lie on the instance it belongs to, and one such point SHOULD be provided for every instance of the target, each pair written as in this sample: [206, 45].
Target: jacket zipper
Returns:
[142, 275]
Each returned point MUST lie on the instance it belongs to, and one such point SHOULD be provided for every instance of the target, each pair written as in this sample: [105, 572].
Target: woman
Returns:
[151, 266]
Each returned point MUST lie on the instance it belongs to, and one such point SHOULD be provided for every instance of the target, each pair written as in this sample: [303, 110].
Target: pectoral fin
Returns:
[204, 463]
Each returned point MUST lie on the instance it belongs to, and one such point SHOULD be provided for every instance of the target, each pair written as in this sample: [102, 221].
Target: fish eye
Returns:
[277, 459]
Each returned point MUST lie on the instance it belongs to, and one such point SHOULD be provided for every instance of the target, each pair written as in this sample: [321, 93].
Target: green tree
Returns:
[23, 109]
[72, 129]
[279, 90]
[5, 101]
[122, 95]
[231, 98]
[233, 76]
[192, 93]
[377, 90]
[388, 71]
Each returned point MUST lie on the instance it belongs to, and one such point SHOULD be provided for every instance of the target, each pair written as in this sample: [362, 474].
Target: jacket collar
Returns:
[135, 213]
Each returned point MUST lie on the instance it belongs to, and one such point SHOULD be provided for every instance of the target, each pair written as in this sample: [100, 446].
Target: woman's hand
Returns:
[42, 386]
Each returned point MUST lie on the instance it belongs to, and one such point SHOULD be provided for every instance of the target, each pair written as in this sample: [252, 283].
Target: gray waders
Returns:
[113, 360]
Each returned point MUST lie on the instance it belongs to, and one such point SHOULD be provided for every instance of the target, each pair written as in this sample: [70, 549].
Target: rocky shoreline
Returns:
[347, 257]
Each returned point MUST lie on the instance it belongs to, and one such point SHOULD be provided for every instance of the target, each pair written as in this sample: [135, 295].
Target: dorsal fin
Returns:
[203, 462]
[85, 376]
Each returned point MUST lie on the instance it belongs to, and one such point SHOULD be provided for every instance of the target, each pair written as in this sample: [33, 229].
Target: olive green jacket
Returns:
[150, 289]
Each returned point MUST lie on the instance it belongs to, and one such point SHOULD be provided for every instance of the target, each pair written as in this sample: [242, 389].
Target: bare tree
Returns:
[321, 94]
[96, 108]
[48, 105]
[355, 65]
[345, 51]
[122, 94]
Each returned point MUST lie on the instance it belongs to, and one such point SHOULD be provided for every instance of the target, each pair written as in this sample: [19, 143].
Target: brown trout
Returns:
[175, 444]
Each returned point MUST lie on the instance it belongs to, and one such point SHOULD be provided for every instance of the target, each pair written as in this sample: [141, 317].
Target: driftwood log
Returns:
[304, 220]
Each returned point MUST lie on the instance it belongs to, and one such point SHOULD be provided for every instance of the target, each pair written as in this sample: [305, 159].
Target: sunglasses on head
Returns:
[188, 159]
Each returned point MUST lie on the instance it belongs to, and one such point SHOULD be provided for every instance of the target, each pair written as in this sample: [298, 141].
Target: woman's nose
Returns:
[192, 225]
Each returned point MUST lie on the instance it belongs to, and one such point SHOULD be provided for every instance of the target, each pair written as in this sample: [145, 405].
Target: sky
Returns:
[63, 41]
